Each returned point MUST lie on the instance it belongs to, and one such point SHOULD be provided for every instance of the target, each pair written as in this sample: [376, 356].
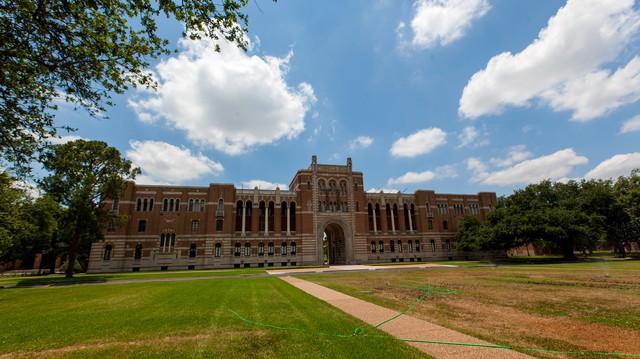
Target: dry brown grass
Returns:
[592, 307]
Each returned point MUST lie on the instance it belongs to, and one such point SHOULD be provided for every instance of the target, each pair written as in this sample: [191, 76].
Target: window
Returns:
[392, 246]
[373, 246]
[111, 227]
[218, 250]
[236, 250]
[137, 254]
[400, 246]
[443, 208]
[293, 248]
[427, 208]
[171, 205]
[473, 208]
[107, 252]
[144, 204]
[448, 245]
[247, 249]
[192, 250]
[272, 249]
[218, 225]
[445, 225]
[381, 247]
[190, 207]
[433, 245]
[142, 225]
[194, 225]
[417, 245]
[430, 224]
[410, 246]
[458, 208]
[261, 249]
[309, 185]
[167, 242]
[220, 209]
[283, 249]
[115, 205]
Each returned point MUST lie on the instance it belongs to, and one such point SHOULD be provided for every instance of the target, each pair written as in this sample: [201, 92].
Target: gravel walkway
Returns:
[407, 327]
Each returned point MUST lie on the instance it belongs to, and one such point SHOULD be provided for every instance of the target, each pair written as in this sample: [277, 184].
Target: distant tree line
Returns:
[576, 215]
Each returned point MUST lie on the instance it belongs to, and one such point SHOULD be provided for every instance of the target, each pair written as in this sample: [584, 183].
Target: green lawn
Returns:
[107, 277]
[183, 319]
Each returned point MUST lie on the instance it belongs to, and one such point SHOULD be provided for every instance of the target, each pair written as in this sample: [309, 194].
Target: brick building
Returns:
[325, 216]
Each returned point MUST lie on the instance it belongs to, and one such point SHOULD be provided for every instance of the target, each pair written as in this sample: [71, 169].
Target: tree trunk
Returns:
[567, 251]
[73, 250]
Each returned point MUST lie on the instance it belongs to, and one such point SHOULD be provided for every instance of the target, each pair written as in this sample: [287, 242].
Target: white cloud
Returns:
[421, 142]
[515, 154]
[616, 166]
[631, 125]
[165, 163]
[440, 22]
[478, 168]
[63, 139]
[413, 177]
[229, 100]
[448, 171]
[598, 92]
[553, 166]
[467, 136]
[561, 66]
[360, 142]
[263, 185]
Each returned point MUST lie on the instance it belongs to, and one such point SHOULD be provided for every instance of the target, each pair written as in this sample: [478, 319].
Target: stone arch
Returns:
[338, 247]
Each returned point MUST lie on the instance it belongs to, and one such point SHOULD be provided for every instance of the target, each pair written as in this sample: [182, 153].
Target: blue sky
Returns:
[457, 96]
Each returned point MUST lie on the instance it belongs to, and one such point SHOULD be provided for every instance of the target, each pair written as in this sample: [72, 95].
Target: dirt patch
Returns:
[569, 309]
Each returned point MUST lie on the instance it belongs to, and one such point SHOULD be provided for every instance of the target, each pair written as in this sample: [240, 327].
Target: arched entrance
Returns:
[335, 244]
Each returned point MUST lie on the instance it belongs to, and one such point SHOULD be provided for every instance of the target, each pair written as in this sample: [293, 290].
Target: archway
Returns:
[335, 244]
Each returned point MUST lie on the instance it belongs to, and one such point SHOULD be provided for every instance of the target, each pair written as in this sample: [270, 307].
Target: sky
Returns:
[459, 96]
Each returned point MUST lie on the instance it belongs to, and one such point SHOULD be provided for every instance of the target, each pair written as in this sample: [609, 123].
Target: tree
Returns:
[83, 175]
[475, 235]
[13, 226]
[83, 51]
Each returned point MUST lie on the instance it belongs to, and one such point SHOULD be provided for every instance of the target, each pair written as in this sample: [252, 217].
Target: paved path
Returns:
[406, 327]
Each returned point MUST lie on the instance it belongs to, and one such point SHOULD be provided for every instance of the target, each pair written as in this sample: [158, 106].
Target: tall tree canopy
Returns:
[83, 51]
[83, 175]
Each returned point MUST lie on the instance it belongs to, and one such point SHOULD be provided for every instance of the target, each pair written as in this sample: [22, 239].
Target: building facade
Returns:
[326, 216]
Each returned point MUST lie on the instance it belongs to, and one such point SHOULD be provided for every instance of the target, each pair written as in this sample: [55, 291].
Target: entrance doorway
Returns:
[335, 244]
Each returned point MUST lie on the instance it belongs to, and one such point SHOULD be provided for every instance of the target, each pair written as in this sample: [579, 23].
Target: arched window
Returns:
[261, 249]
[177, 205]
[392, 246]
[433, 245]
[145, 204]
[355, 187]
[430, 224]
[309, 185]
[373, 246]
[293, 248]
[283, 216]
[410, 246]
[165, 205]
[247, 249]
[190, 209]
[218, 250]
[448, 245]
[400, 246]
[167, 242]
[238, 216]
[138, 252]
[192, 250]
[248, 216]
[417, 245]
[236, 250]
[138, 205]
[271, 209]
[292, 213]
[107, 252]
[283, 249]
[271, 249]
[381, 247]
